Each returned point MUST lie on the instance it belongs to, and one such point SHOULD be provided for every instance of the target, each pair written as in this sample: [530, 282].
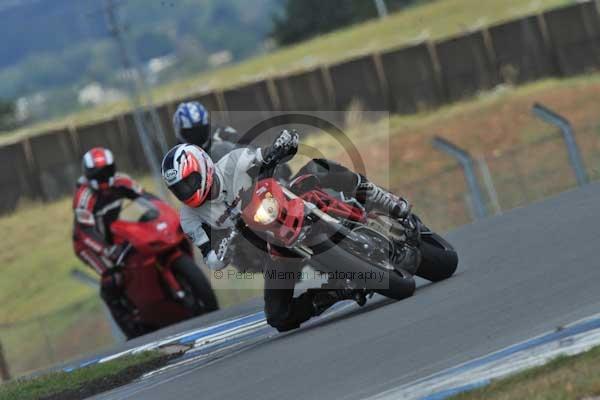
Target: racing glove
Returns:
[213, 262]
[283, 148]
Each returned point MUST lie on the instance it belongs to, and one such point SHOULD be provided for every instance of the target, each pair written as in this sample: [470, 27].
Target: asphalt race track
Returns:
[521, 274]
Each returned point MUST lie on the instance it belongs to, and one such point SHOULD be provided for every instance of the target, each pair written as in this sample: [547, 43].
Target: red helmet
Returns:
[99, 168]
[188, 172]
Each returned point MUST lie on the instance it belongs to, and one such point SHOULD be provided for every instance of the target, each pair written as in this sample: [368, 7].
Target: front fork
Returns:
[166, 273]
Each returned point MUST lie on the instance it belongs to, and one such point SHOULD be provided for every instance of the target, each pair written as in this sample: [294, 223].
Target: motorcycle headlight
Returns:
[267, 211]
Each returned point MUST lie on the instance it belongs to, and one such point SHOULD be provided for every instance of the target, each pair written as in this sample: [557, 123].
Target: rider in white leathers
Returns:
[211, 194]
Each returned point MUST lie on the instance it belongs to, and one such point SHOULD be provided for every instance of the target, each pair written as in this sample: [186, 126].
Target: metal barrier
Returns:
[567, 131]
[465, 159]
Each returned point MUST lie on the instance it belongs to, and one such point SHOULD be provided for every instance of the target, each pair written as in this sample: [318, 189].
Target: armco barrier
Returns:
[575, 35]
[521, 53]
[466, 65]
[304, 91]
[412, 80]
[56, 163]
[358, 79]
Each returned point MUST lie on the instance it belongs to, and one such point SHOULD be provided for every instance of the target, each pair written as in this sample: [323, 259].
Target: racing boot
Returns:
[322, 299]
[375, 198]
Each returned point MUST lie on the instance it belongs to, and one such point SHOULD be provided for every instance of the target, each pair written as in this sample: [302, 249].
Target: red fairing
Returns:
[288, 224]
[147, 272]
[333, 206]
[153, 237]
[286, 228]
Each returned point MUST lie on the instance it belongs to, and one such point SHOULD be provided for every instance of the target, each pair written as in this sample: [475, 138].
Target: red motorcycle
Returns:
[162, 283]
[365, 252]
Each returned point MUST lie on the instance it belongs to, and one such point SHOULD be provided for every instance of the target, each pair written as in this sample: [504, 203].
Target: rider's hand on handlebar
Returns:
[213, 263]
[283, 148]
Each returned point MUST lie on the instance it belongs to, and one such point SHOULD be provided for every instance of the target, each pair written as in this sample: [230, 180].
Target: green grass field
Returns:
[434, 20]
[58, 383]
[576, 377]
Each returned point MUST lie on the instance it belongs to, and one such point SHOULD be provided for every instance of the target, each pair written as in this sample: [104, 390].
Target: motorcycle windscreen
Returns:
[138, 210]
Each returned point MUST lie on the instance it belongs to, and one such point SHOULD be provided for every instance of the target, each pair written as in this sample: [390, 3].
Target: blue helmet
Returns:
[191, 124]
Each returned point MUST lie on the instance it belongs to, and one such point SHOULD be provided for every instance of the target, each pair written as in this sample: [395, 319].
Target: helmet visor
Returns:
[198, 135]
[102, 175]
[187, 187]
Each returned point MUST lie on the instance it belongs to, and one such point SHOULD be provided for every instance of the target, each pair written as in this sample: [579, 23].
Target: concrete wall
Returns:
[564, 41]
[466, 65]
[305, 91]
[55, 162]
[248, 104]
[17, 180]
[106, 134]
[575, 35]
[412, 79]
[521, 52]
[358, 80]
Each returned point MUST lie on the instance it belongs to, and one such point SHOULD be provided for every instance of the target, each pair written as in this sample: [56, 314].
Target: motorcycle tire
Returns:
[439, 260]
[189, 275]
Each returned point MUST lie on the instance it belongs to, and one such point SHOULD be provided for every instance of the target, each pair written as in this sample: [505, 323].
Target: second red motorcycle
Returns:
[162, 283]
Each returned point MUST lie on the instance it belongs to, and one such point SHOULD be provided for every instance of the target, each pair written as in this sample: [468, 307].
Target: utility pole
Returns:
[135, 84]
[382, 10]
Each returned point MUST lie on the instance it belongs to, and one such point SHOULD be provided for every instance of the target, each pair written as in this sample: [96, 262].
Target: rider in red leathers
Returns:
[96, 205]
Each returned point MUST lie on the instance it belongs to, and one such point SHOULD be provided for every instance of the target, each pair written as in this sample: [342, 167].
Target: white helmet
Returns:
[188, 172]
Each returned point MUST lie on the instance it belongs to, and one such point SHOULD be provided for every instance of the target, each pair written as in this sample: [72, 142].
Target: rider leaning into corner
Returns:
[96, 205]
[211, 196]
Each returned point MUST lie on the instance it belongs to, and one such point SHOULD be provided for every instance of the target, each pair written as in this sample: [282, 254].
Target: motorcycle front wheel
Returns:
[196, 285]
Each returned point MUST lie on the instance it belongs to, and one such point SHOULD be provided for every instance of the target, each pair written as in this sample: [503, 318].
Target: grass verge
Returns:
[575, 377]
[84, 382]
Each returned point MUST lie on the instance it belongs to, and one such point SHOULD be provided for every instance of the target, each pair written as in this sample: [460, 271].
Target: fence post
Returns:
[489, 184]
[465, 159]
[565, 127]
[4, 371]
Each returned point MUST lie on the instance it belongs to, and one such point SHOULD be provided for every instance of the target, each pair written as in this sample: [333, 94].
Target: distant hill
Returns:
[53, 44]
